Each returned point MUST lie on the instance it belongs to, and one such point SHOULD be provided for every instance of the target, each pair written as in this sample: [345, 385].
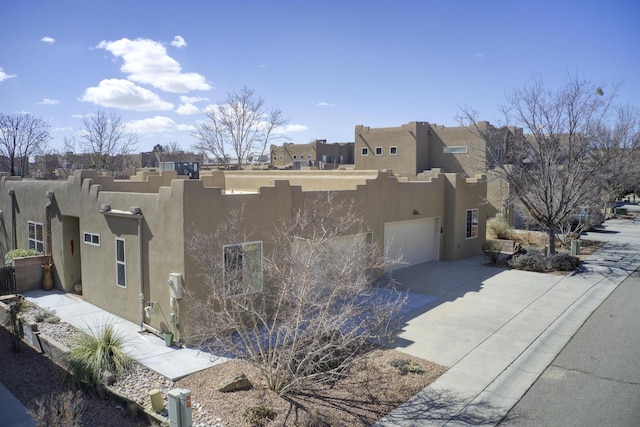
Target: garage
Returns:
[413, 242]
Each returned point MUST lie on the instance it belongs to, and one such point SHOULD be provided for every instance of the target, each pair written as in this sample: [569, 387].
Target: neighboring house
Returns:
[317, 154]
[125, 240]
[412, 148]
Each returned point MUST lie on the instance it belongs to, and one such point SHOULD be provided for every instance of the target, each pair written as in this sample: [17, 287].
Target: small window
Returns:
[308, 156]
[242, 268]
[472, 223]
[275, 158]
[295, 157]
[455, 149]
[121, 265]
[364, 151]
[281, 158]
[36, 239]
[378, 151]
[393, 151]
[92, 239]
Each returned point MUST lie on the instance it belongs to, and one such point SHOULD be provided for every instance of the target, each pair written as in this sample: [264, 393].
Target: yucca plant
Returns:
[94, 354]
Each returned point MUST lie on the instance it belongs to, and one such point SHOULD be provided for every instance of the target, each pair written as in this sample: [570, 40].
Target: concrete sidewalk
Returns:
[497, 330]
[148, 349]
[13, 412]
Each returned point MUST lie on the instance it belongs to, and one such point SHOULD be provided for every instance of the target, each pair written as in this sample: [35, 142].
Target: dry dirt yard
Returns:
[373, 389]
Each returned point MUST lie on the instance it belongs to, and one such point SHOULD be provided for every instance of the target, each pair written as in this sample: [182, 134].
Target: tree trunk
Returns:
[551, 239]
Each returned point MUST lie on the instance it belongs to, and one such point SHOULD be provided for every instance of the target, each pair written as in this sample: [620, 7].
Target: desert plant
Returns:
[19, 253]
[531, 261]
[259, 415]
[499, 228]
[405, 366]
[492, 250]
[44, 315]
[64, 409]
[92, 355]
[564, 262]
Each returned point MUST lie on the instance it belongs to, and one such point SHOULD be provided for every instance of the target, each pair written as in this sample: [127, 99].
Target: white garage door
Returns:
[413, 242]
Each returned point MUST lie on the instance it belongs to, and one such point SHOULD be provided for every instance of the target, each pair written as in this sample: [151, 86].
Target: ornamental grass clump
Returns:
[92, 355]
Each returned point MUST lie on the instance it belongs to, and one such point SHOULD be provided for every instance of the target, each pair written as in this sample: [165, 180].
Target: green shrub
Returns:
[405, 366]
[92, 355]
[531, 261]
[19, 253]
[535, 261]
[44, 315]
[492, 250]
[564, 262]
[499, 228]
[259, 415]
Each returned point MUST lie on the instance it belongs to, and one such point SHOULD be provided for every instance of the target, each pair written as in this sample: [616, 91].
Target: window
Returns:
[378, 151]
[364, 151]
[275, 158]
[121, 267]
[393, 150]
[308, 156]
[472, 223]
[243, 268]
[295, 157]
[92, 239]
[281, 158]
[36, 239]
[455, 149]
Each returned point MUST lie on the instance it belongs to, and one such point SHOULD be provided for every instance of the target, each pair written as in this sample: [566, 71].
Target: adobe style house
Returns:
[125, 240]
[317, 154]
[412, 148]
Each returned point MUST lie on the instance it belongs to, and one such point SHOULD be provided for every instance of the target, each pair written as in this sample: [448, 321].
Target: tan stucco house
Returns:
[318, 154]
[125, 240]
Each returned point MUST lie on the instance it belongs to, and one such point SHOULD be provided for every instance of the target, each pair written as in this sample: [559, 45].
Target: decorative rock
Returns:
[236, 383]
[108, 378]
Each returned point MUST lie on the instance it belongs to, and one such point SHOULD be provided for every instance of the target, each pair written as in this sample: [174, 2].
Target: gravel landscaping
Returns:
[373, 388]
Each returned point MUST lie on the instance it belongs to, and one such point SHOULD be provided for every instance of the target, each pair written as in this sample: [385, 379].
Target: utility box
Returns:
[175, 285]
[180, 408]
[575, 247]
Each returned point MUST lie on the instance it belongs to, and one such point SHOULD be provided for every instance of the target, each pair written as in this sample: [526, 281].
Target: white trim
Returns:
[37, 243]
[364, 151]
[455, 149]
[379, 148]
[471, 229]
[92, 237]
[393, 147]
[122, 263]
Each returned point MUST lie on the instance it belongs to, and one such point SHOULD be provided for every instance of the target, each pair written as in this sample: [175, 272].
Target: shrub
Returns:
[492, 250]
[44, 315]
[405, 366]
[259, 415]
[564, 262]
[531, 261]
[94, 354]
[499, 228]
[535, 261]
[59, 410]
[19, 253]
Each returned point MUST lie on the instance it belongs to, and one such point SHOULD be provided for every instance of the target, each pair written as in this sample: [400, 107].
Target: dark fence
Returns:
[7, 280]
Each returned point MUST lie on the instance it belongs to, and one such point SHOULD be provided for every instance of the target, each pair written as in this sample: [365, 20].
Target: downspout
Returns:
[14, 234]
[141, 269]
[47, 221]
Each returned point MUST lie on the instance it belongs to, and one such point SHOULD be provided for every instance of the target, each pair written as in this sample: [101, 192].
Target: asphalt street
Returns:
[595, 379]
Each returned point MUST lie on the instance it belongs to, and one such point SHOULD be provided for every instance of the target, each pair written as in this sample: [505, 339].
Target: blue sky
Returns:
[328, 65]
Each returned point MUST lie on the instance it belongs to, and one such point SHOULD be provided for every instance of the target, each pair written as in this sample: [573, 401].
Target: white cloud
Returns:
[290, 128]
[325, 104]
[478, 55]
[186, 109]
[157, 125]
[179, 42]
[192, 99]
[48, 40]
[47, 101]
[146, 61]
[4, 76]
[123, 94]
[66, 129]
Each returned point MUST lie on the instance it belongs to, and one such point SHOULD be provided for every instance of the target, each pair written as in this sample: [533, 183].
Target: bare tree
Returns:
[562, 158]
[21, 136]
[317, 311]
[622, 174]
[238, 127]
[106, 140]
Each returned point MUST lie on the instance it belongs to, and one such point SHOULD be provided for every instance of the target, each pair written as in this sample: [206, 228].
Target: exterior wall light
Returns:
[135, 210]
[105, 208]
